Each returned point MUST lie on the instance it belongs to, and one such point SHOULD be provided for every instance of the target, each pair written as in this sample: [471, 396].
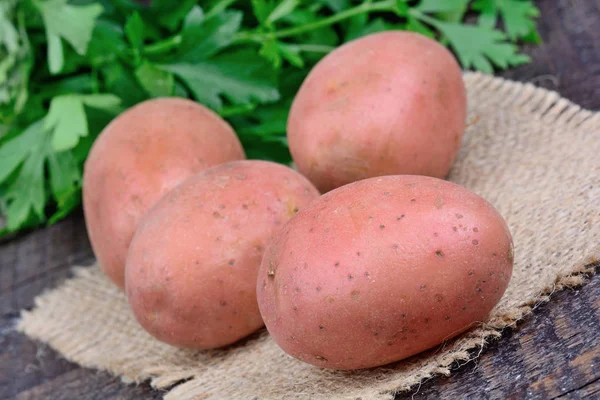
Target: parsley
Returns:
[71, 66]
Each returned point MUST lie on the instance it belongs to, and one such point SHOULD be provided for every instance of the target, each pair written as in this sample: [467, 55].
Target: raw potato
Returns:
[389, 103]
[140, 156]
[381, 269]
[193, 263]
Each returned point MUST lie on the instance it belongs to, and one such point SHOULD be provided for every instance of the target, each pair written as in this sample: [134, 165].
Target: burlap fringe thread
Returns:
[531, 153]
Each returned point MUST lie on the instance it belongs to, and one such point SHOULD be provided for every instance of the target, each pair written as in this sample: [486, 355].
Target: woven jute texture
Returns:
[532, 154]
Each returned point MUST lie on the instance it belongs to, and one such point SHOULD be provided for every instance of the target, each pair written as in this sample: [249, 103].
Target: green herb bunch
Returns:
[67, 67]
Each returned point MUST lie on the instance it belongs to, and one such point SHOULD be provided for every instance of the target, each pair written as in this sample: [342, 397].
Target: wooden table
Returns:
[554, 353]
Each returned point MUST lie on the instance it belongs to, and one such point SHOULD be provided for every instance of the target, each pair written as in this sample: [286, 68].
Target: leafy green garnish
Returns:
[67, 67]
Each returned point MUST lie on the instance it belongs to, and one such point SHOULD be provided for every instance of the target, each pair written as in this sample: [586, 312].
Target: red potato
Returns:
[382, 269]
[388, 103]
[138, 157]
[193, 263]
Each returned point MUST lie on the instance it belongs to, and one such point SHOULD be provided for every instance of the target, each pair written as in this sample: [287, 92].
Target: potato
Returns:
[138, 157]
[382, 269]
[193, 263]
[389, 103]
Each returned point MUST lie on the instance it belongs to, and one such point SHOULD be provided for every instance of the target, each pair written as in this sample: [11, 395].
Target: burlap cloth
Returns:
[532, 154]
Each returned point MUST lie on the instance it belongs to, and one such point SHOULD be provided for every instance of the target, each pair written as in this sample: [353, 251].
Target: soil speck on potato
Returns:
[355, 294]
[350, 277]
[321, 358]
[475, 230]
[435, 234]
[223, 303]
[394, 246]
[448, 318]
[386, 193]
[439, 254]
[439, 298]
[463, 308]
[318, 288]
[400, 218]
[381, 226]
[413, 200]
[245, 206]
[231, 262]
[471, 273]
[321, 328]
[295, 308]
[298, 290]
[475, 242]
[337, 264]
[426, 320]
[358, 253]
[403, 315]
[217, 214]
[422, 287]
[455, 229]
[367, 274]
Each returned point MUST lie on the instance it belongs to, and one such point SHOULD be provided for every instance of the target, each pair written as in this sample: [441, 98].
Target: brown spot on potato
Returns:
[295, 308]
[422, 287]
[231, 262]
[471, 273]
[222, 303]
[367, 274]
[439, 202]
[350, 277]
[394, 246]
[271, 270]
[439, 254]
[410, 184]
[455, 229]
[386, 193]
[459, 216]
[318, 288]
[448, 318]
[381, 226]
[439, 298]
[426, 320]
[337, 264]
[475, 230]
[400, 218]
[245, 206]
[217, 214]
[436, 234]
[413, 200]
[355, 294]
[358, 253]
[475, 242]
[321, 358]
[321, 328]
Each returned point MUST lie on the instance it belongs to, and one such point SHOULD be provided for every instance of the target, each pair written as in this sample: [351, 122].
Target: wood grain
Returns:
[553, 354]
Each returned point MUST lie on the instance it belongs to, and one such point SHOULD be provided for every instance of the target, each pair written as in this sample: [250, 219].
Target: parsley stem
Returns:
[217, 8]
[163, 46]
[385, 5]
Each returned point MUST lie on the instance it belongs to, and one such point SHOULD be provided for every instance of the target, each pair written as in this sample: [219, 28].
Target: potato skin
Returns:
[138, 157]
[385, 104]
[381, 269]
[193, 262]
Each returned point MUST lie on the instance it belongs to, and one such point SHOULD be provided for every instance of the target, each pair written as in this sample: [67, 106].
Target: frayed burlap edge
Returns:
[544, 105]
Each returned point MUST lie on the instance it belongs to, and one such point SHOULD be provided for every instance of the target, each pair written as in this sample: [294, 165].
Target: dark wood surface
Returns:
[554, 353]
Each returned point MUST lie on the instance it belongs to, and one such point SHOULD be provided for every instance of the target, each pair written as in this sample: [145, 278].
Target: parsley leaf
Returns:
[24, 196]
[69, 22]
[241, 76]
[476, 46]
[67, 119]
[517, 15]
